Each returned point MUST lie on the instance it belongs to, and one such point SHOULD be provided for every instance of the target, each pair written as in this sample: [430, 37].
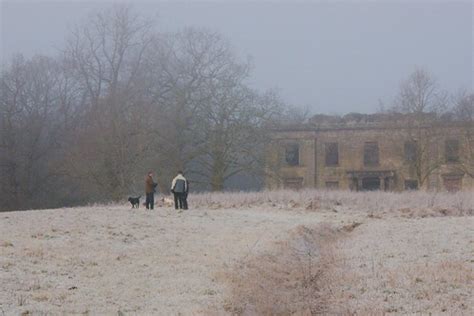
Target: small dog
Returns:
[167, 201]
[135, 201]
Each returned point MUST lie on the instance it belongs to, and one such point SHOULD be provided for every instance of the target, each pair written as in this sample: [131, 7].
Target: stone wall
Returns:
[393, 171]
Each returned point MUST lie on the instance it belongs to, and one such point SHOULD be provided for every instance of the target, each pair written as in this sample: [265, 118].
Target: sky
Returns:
[333, 57]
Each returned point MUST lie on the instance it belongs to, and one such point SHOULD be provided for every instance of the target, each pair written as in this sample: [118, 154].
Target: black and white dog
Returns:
[135, 201]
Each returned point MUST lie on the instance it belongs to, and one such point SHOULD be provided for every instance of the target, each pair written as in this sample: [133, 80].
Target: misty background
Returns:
[330, 56]
[93, 95]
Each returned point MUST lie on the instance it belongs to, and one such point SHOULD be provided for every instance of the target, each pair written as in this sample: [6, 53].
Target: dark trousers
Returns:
[150, 200]
[180, 199]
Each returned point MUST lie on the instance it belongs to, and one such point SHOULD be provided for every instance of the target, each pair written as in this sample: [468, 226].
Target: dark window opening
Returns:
[371, 184]
[411, 185]
[354, 185]
[371, 154]
[333, 185]
[332, 154]
[452, 184]
[292, 154]
[411, 151]
[452, 150]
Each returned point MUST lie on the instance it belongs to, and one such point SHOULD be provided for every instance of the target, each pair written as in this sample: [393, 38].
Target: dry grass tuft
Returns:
[21, 300]
[291, 279]
[351, 227]
[6, 244]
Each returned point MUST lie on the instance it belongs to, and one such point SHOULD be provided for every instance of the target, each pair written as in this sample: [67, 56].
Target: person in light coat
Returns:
[179, 188]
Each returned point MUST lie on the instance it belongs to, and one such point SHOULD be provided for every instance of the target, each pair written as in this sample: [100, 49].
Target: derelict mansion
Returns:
[371, 152]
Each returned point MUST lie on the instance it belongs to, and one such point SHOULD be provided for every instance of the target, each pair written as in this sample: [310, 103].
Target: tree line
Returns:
[120, 99]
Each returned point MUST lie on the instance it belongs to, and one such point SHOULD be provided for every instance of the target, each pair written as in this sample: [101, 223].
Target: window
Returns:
[452, 183]
[411, 151]
[292, 154]
[371, 154]
[371, 184]
[332, 154]
[452, 150]
[332, 185]
[411, 185]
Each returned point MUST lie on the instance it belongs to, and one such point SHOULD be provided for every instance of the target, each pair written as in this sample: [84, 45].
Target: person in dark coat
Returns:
[179, 188]
[150, 186]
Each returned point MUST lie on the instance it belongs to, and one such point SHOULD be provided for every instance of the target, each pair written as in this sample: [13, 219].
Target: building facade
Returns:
[372, 152]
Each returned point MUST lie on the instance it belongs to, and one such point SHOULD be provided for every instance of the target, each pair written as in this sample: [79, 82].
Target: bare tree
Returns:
[31, 129]
[464, 113]
[419, 93]
[425, 138]
[107, 53]
[179, 62]
[419, 105]
[202, 106]
[234, 126]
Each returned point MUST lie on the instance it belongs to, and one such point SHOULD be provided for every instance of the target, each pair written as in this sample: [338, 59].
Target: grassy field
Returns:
[308, 252]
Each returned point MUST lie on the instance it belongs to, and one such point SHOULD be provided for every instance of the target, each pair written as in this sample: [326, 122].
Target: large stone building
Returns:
[372, 152]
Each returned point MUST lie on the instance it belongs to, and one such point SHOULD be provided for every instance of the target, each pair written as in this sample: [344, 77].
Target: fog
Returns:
[332, 57]
[95, 94]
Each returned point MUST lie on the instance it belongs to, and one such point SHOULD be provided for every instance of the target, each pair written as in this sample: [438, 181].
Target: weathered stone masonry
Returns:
[371, 152]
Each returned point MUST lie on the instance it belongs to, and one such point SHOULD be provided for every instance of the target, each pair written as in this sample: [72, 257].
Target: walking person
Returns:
[150, 186]
[180, 191]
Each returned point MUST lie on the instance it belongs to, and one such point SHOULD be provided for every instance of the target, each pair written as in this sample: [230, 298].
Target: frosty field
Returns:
[387, 253]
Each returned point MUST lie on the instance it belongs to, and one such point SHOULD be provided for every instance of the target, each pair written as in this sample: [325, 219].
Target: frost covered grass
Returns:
[104, 260]
[408, 203]
[276, 252]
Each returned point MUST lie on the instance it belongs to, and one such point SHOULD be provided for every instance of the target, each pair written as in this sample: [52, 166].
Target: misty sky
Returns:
[334, 57]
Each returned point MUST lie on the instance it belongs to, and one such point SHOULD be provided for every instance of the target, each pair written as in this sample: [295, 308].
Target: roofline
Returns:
[309, 128]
